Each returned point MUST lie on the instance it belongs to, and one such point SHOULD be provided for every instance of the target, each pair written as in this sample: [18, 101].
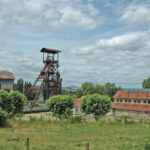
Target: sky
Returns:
[101, 40]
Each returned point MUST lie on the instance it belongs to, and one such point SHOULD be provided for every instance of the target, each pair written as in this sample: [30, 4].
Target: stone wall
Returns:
[134, 114]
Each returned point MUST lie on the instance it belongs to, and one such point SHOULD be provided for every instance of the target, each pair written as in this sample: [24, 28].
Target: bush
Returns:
[96, 104]
[18, 100]
[5, 102]
[3, 116]
[60, 105]
[10, 104]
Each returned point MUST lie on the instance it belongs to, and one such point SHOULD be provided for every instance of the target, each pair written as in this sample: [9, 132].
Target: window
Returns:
[149, 102]
[0, 85]
[116, 104]
[117, 100]
[134, 101]
[138, 101]
[145, 102]
[135, 106]
[125, 100]
[125, 105]
[129, 101]
[144, 106]
[120, 100]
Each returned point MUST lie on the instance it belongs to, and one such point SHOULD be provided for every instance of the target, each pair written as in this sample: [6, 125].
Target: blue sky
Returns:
[101, 40]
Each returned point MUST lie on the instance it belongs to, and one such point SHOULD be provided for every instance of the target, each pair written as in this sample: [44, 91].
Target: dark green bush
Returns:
[10, 104]
[18, 100]
[3, 116]
[5, 102]
[147, 146]
[61, 106]
[96, 104]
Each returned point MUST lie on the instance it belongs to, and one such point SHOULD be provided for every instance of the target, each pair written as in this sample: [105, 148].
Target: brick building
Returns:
[6, 81]
[132, 102]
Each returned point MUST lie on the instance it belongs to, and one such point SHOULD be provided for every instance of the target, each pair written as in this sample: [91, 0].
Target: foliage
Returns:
[18, 101]
[76, 119]
[96, 104]
[88, 88]
[5, 102]
[79, 93]
[108, 89]
[60, 105]
[146, 83]
[3, 116]
[20, 85]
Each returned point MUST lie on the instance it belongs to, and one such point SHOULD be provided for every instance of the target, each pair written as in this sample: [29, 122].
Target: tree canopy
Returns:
[96, 104]
[146, 83]
[60, 105]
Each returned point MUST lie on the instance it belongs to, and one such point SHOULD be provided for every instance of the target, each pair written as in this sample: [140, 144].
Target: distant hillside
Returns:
[71, 87]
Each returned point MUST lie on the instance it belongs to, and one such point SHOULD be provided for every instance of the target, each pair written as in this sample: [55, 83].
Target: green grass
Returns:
[54, 135]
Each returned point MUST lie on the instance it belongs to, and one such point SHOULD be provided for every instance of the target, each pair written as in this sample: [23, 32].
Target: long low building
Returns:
[6, 81]
[134, 102]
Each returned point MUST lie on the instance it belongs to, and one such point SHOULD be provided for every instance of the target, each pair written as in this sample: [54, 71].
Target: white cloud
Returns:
[64, 13]
[136, 13]
[120, 58]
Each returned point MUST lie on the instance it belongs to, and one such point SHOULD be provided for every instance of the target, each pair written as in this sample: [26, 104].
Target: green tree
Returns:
[99, 89]
[96, 104]
[20, 85]
[146, 83]
[60, 105]
[110, 89]
[88, 88]
[79, 93]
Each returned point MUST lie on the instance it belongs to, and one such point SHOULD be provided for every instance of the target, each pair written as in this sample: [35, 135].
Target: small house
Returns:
[6, 81]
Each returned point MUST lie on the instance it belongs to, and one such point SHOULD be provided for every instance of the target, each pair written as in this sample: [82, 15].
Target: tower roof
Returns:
[49, 50]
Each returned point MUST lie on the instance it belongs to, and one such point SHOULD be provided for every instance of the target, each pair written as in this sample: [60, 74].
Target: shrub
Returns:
[18, 100]
[5, 102]
[3, 116]
[96, 104]
[60, 105]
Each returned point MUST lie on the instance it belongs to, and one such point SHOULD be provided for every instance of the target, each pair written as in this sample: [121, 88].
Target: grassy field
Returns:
[54, 135]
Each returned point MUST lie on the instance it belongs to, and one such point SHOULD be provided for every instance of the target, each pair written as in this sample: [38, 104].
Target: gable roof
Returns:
[77, 102]
[133, 94]
[6, 75]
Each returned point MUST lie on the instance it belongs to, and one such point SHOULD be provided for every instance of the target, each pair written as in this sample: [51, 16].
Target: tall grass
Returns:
[58, 135]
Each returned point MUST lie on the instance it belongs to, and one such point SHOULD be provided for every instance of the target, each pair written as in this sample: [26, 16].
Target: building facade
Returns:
[77, 105]
[6, 81]
[132, 102]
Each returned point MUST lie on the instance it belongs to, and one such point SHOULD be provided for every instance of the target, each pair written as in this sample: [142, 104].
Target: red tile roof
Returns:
[77, 102]
[124, 94]
[6, 75]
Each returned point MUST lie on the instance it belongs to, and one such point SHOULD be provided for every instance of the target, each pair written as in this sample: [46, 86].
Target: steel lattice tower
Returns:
[49, 74]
